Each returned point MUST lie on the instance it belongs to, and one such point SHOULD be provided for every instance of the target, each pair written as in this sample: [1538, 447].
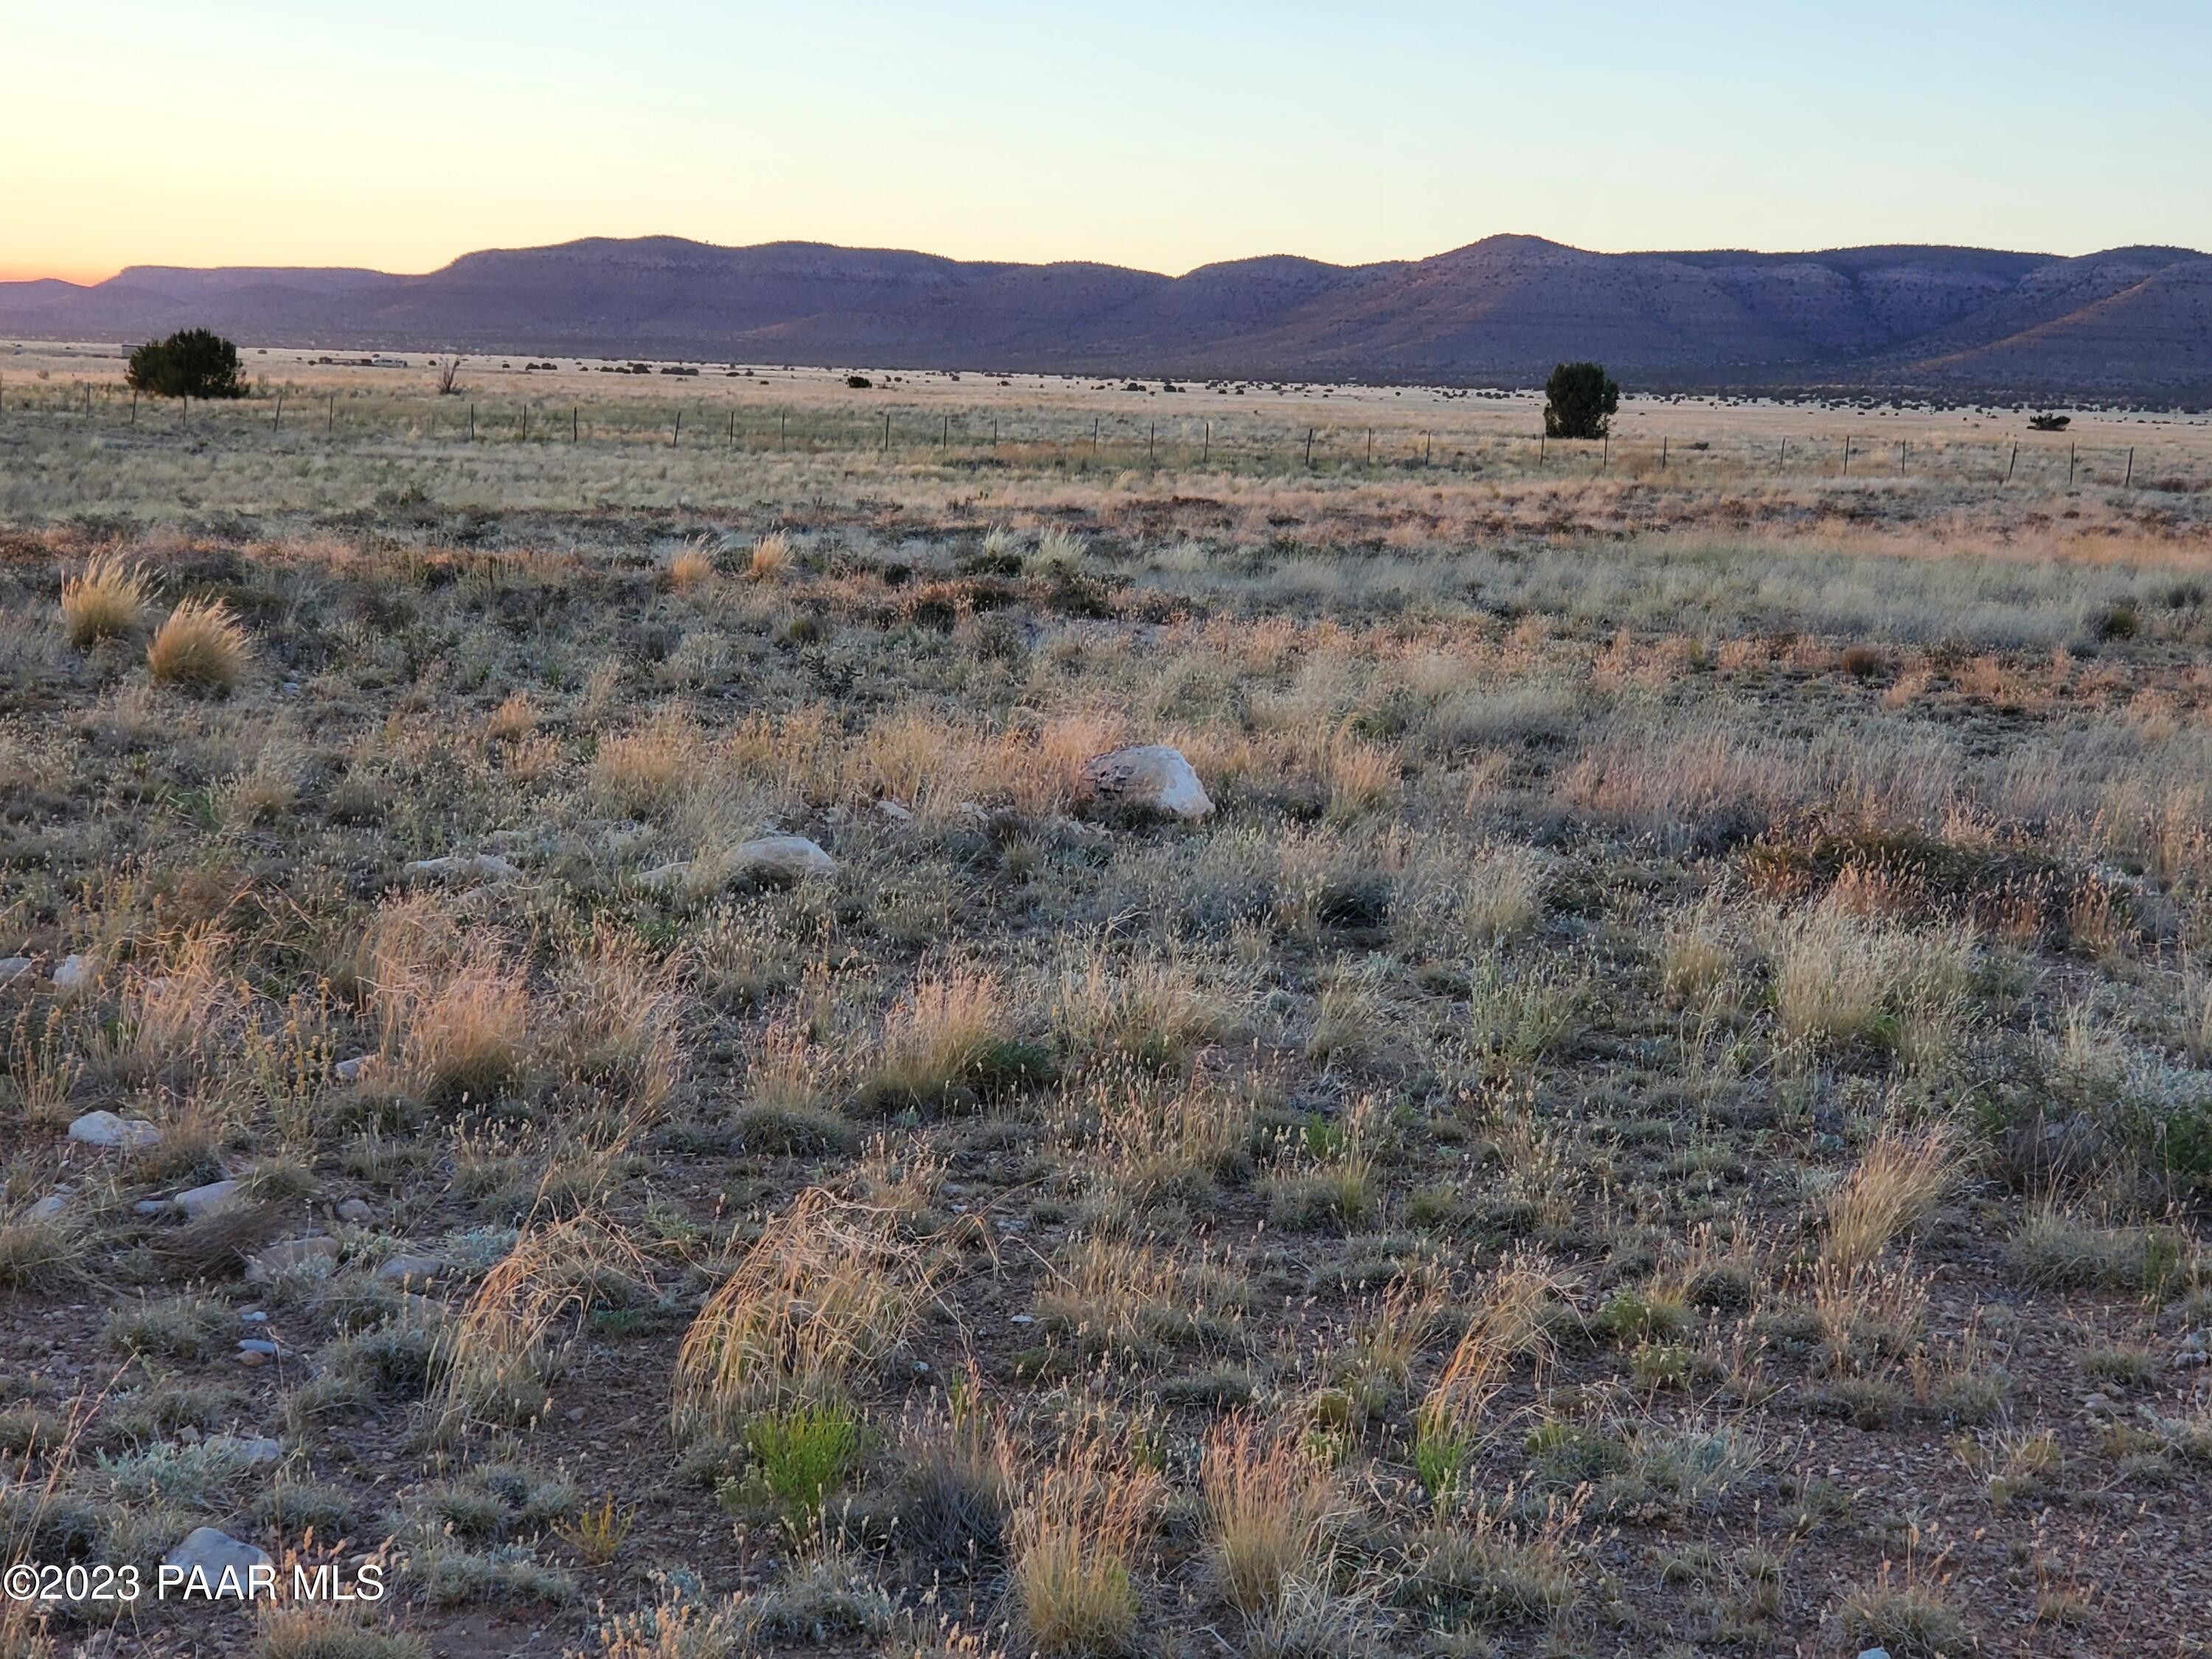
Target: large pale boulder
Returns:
[106, 1129]
[216, 1565]
[783, 858]
[1148, 778]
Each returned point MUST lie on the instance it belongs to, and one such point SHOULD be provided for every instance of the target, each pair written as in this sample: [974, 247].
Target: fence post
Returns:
[2013, 462]
[1309, 438]
[575, 422]
[1370, 445]
[1152, 444]
[1207, 454]
[134, 408]
[2069, 466]
[1428, 447]
[2127, 481]
[1847, 454]
[525, 423]
[330, 413]
[275, 421]
[472, 422]
[1663, 452]
[1605, 452]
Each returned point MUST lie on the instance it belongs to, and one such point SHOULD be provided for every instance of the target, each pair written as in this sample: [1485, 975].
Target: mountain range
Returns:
[2127, 325]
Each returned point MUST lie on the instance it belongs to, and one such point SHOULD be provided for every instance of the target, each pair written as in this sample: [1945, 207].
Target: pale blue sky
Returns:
[1144, 133]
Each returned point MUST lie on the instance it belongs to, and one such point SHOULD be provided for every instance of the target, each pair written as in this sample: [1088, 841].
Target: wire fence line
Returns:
[1081, 442]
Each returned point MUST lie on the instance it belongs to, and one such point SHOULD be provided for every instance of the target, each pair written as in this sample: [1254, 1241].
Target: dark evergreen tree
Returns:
[1578, 399]
[194, 362]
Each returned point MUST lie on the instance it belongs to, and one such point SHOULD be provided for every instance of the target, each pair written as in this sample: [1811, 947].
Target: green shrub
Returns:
[193, 362]
[1578, 400]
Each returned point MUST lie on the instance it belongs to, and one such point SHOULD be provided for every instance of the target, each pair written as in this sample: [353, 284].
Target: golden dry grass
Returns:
[200, 647]
[106, 601]
[826, 1290]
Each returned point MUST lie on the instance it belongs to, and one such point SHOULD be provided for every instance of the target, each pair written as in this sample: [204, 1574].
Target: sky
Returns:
[400, 134]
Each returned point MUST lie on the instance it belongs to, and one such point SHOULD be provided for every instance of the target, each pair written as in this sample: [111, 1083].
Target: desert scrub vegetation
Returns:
[1672, 1073]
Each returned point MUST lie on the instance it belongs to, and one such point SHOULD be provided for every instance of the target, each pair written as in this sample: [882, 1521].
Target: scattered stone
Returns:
[897, 811]
[152, 1206]
[1873, 1653]
[355, 1210]
[403, 1268]
[106, 1129]
[489, 865]
[661, 877]
[75, 971]
[52, 1207]
[196, 1201]
[250, 1447]
[12, 968]
[260, 1346]
[784, 858]
[222, 1562]
[350, 1071]
[1149, 777]
[289, 1256]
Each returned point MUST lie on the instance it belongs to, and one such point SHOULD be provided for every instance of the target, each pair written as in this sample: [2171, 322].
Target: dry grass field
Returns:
[1666, 1109]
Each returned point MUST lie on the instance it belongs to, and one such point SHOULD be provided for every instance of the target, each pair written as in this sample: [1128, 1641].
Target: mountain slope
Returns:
[2126, 323]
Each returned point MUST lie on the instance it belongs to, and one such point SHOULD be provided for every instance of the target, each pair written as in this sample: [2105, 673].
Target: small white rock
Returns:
[489, 865]
[222, 1562]
[13, 968]
[288, 1257]
[74, 971]
[897, 811]
[52, 1207]
[784, 858]
[1151, 777]
[106, 1129]
[410, 1269]
[348, 1071]
[663, 877]
[250, 1447]
[196, 1202]
[355, 1210]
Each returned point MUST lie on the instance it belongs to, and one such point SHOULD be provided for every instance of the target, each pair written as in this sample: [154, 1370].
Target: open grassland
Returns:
[1667, 1109]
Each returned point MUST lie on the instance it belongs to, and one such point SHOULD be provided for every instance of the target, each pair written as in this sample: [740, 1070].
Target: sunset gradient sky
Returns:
[402, 133]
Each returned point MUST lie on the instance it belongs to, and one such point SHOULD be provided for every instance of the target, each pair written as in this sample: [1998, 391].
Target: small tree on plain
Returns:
[193, 362]
[1578, 400]
[449, 375]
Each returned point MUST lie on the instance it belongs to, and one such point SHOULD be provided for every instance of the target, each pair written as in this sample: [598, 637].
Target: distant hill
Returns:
[2127, 323]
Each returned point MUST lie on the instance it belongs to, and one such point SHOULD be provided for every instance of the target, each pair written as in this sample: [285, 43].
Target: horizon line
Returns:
[17, 272]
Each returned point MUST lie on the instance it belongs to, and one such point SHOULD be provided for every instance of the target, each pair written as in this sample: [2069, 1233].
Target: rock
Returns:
[13, 968]
[198, 1201]
[152, 1206]
[74, 972]
[350, 1071]
[250, 1449]
[52, 1207]
[216, 1564]
[289, 1256]
[896, 811]
[259, 1346]
[1873, 1653]
[1151, 778]
[106, 1129]
[783, 858]
[403, 1268]
[665, 877]
[250, 1358]
[489, 865]
[355, 1210]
